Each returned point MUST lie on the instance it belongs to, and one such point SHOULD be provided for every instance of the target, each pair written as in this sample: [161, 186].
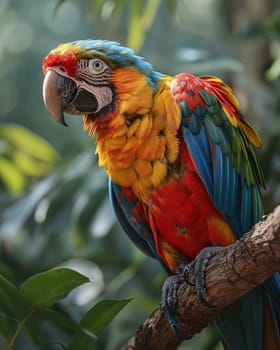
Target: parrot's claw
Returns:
[197, 269]
[169, 301]
[194, 275]
[188, 273]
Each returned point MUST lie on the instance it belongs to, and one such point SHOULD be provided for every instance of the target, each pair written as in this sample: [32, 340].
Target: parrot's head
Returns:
[94, 77]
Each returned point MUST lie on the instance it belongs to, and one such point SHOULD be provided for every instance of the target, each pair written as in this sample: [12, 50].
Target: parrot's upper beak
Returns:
[52, 96]
[61, 94]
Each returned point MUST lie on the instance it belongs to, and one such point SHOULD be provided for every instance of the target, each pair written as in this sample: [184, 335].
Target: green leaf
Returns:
[172, 5]
[6, 328]
[48, 287]
[55, 317]
[141, 19]
[29, 165]
[94, 321]
[101, 314]
[11, 176]
[274, 71]
[28, 142]
[11, 298]
[82, 341]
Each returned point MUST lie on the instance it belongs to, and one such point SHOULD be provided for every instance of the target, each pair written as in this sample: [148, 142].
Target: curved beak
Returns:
[52, 96]
[61, 94]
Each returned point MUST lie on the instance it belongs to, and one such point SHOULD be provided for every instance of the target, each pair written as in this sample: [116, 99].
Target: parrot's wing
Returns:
[129, 213]
[221, 144]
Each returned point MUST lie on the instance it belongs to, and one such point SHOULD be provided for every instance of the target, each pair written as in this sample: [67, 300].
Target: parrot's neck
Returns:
[138, 140]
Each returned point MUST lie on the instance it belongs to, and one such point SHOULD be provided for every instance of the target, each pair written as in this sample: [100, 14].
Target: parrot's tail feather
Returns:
[272, 287]
[245, 325]
[270, 330]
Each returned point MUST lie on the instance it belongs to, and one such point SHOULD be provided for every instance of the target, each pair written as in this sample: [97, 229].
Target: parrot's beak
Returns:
[61, 94]
[52, 96]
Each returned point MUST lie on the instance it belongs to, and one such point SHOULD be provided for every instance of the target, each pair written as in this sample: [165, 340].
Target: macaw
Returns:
[180, 157]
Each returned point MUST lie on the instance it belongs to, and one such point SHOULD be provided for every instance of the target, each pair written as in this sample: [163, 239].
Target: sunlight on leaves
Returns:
[11, 177]
[23, 155]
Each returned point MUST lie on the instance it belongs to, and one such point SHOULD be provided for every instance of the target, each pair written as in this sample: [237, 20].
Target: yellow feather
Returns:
[144, 127]
[131, 143]
[134, 94]
[233, 121]
[220, 232]
[137, 152]
[149, 149]
[122, 130]
[165, 107]
[119, 163]
[159, 172]
[115, 143]
[161, 147]
[142, 187]
[252, 135]
[102, 160]
[172, 146]
[231, 97]
[70, 47]
[126, 177]
[159, 122]
[133, 127]
[125, 158]
[86, 121]
[143, 167]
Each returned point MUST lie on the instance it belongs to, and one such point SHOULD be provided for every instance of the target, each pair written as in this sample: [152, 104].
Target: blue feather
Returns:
[232, 198]
[246, 208]
[239, 324]
[227, 165]
[120, 56]
[137, 230]
[197, 145]
[218, 178]
[272, 286]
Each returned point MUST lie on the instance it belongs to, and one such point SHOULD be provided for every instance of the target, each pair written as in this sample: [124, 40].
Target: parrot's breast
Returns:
[137, 141]
[183, 218]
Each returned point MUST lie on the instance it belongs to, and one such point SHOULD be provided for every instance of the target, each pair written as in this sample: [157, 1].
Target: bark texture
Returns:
[229, 274]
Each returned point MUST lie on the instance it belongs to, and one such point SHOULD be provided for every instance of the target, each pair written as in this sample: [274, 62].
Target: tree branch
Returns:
[229, 274]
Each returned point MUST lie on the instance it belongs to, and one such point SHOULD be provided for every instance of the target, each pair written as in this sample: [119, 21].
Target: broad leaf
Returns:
[94, 321]
[11, 298]
[101, 314]
[55, 317]
[48, 287]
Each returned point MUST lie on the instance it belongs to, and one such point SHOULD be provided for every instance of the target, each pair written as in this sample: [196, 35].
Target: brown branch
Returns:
[229, 274]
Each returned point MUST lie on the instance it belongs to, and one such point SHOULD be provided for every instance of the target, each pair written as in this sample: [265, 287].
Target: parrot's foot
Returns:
[169, 301]
[194, 275]
[197, 269]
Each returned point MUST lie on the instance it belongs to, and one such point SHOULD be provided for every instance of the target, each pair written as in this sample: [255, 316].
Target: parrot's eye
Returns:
[96, 66]
[92, 69]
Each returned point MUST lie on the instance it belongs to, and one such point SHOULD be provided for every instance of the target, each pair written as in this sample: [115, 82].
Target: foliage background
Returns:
[54, 209]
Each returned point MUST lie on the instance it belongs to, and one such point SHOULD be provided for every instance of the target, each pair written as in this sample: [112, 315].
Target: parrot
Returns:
[180, 157]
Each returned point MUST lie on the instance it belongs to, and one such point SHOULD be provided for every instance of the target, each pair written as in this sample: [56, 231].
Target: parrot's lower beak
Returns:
[61, 94]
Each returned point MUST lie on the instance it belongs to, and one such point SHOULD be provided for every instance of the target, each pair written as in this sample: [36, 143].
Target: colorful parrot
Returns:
[181, 163]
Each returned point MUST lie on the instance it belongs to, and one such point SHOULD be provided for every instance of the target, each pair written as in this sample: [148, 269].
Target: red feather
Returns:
[67, 61]
[182, 216]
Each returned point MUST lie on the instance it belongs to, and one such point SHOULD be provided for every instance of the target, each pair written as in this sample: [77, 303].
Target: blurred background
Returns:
[54, 208]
